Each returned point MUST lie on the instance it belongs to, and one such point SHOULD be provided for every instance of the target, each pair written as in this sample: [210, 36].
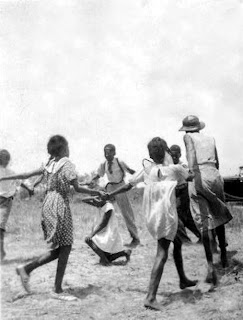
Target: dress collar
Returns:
[55, 166]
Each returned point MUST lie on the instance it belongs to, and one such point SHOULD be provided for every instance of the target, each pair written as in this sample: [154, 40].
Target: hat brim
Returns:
[200, 127]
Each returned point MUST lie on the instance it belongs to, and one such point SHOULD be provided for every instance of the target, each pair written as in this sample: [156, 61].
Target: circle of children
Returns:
[175, 196]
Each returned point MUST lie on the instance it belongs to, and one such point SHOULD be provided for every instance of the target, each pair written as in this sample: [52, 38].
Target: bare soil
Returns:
[117, 292]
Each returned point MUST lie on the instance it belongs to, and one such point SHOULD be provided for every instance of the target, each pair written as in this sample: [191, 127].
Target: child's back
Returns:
[159, 200]
[109, 238]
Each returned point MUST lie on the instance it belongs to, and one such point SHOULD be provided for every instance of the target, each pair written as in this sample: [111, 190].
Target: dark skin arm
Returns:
[81, 189]
[122, 189]
[24, 175]
[102, 224]
[131, 171]
[30, 191]
[37, 181]
[216, 158]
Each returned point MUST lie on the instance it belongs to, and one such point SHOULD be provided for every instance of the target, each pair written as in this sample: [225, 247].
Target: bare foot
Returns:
[105, 262]
[153, 305]
[133, 244]
[211, 278]
[20, 270]
[128, 255]
[188, 283]
[58, 291]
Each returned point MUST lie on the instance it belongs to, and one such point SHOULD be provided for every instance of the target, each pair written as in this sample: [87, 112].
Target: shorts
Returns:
[5, 208]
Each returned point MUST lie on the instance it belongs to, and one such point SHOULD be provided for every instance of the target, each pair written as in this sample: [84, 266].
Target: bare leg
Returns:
[156, 274]
[103, 259]
[124, 253]
[177, 254]
[220, 231]
[43, 259]
[24, 270]
[61, 267]
[3, 253]
[211, 276]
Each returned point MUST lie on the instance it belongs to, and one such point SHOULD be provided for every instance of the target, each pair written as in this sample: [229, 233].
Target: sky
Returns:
[121, 72]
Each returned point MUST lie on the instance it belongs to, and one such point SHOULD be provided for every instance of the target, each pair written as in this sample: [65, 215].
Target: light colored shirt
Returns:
[117, 174]
[203, 146]
[8, 188]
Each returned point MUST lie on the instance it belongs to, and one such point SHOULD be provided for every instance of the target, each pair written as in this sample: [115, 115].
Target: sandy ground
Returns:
[117, 292]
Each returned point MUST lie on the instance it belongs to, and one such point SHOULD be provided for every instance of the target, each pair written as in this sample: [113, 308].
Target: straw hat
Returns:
[192, 123]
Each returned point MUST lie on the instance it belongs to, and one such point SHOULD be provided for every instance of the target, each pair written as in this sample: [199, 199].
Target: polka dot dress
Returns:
[57, 221]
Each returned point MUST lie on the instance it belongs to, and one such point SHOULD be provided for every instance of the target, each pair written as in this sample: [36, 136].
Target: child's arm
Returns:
[80, 189]
[122, 189]
[102, 224]
[25, 175]
[30, 190]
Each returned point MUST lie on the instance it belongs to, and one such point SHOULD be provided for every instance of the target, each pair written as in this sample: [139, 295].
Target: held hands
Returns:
[88, 239]
[191, 176]
[103, 195]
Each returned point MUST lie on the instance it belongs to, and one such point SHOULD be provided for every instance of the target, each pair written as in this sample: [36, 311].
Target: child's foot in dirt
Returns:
[153, 305]
[188, 283]
[211, 278]
[128, 255]
[105, 262]
[24, 277]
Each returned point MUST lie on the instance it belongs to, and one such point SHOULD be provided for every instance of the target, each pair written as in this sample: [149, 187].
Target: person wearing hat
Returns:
[183, 207]
[206, 190]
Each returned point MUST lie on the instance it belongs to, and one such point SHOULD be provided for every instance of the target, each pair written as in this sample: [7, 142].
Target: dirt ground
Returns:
[117, 292]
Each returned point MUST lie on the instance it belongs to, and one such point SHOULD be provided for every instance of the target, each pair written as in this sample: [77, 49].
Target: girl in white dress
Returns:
[159, 207]
[105, 240]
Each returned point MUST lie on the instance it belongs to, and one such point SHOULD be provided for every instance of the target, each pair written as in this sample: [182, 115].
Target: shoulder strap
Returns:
[122, 170]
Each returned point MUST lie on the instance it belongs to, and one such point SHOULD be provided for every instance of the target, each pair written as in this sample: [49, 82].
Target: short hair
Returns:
[110, 146]
[56, 145]
[175, 148]
[157, 147]
[4, 156]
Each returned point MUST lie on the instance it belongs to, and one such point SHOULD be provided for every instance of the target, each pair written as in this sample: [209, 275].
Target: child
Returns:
[7, 192]
[56, 215]
[105, 239]
[159, 206]
[183, 207]
[115, 171]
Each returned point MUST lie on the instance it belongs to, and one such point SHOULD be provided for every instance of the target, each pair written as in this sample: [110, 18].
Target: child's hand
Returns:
[88, 239]
[103, 195]
[191, 176]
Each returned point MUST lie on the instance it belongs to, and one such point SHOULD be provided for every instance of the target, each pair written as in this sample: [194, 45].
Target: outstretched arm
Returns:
[30, 190]
[127, 168]
[80, 189]
[122, 189]
[25, 175]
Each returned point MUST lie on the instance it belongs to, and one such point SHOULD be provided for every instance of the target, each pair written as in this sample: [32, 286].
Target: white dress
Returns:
[109, 238]
[159, 200]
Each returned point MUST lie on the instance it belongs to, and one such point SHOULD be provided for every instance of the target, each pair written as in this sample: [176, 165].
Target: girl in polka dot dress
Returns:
[56, 221]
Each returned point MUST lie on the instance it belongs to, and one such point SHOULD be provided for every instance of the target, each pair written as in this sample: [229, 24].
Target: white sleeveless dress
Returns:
[159, 200]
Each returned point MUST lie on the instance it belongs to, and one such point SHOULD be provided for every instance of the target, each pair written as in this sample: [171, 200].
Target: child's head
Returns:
[4, 157]
[109, 151]
[157, 148]
[57, 146]
[175, 151]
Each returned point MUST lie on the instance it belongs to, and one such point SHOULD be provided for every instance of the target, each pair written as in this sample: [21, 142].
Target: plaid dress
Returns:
[57, 221]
